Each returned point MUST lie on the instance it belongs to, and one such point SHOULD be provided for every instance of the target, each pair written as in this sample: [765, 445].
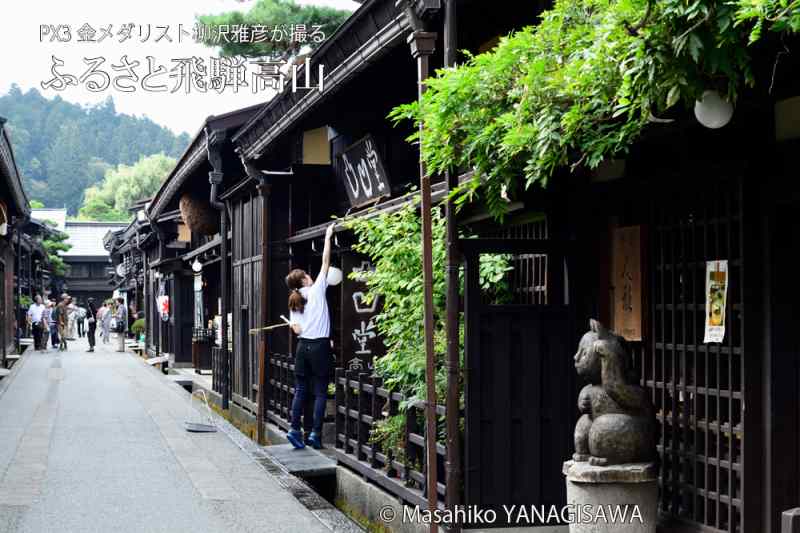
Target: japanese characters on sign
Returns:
[361, 170]
[361, 343]
[627, 282]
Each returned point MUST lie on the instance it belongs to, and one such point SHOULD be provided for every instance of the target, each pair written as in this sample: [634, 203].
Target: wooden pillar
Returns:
[263, 378]
[423, 44]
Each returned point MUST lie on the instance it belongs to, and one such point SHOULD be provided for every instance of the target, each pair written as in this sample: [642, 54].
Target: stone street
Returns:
[95, 442]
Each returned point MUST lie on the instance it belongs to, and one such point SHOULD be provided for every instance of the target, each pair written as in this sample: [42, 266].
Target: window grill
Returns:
[697, 388]
[528, 279]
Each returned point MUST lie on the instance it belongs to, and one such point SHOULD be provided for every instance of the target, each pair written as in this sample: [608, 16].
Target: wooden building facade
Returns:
[631, 243]
[14, 211]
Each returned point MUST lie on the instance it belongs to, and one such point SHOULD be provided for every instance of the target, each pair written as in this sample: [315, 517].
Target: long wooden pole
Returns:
[423, 45]
[453, 459]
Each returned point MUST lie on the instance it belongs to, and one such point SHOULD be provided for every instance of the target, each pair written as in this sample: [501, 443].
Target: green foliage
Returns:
[53, 243]
[36, 204]
[124, 185]
[389, 433]
[62, 148]
[137, 328]
[393, 241]
[582, 85]
[271, 13]
[25, 301]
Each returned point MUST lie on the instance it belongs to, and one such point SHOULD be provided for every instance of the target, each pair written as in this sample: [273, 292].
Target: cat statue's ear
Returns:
[598, 328]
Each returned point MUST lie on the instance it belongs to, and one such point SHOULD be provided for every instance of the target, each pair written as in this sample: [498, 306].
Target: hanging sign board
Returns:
[361, 170]
[716, 300]
[627, 282]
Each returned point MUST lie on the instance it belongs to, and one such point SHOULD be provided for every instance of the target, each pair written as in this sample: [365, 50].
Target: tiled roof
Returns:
[86, 238]
[59, 216]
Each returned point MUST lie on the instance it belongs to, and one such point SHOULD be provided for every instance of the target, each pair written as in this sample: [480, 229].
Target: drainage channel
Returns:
[301, 472]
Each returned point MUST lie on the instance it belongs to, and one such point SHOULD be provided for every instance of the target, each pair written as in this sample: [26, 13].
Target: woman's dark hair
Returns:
[294, 281]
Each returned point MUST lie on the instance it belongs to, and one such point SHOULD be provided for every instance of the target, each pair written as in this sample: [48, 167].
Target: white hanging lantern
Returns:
[712, 110]
[334, 276]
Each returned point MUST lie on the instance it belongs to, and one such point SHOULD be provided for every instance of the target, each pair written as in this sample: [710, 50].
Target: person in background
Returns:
[91, 318]
[36, 321]
[63, 321]
[72, 315]
[311, 322]
[121, 317]
[53, 324]
[46, 320]
[105, 321]
[80, 318]
[132, 314]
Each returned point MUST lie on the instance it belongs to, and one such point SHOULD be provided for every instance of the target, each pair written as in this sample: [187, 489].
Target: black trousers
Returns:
[90, 333]
[37, 336]
[80, 327]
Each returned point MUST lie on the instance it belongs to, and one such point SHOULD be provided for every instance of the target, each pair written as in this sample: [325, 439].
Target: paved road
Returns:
[94, 442]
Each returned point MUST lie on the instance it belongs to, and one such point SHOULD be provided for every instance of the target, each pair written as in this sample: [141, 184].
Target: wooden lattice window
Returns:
[697, 388]
[528, 278]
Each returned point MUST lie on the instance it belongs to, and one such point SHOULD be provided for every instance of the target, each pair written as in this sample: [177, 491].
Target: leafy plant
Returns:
[389, 433]
[25, 301]
[54, 243]
[138, 326]
[393, 241]
[582, 86]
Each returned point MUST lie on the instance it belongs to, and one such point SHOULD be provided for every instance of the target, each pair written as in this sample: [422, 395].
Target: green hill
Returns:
[63, 148]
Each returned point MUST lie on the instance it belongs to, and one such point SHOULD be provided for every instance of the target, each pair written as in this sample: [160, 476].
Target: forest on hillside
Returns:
[62, 149]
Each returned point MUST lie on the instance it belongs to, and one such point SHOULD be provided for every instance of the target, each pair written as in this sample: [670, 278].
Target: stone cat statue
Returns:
[618, 423]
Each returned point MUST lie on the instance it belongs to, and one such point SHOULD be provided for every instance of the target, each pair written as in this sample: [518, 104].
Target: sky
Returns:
[26, 56]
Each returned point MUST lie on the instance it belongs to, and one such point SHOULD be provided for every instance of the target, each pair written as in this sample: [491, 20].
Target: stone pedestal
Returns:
[618, 498]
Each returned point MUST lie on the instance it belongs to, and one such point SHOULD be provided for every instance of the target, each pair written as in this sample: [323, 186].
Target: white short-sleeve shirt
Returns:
[315, 321]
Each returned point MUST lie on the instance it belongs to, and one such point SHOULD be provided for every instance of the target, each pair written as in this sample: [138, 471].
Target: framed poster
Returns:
[716, 300]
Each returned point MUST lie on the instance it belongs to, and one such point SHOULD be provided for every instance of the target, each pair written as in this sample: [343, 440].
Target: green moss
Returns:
[370, 525]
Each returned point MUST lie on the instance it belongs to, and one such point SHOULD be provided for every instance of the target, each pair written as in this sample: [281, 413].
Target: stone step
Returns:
[306, 462]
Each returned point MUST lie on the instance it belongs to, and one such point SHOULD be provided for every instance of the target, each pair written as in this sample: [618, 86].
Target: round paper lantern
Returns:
[198, 215]
[713, 111]
[334, 276]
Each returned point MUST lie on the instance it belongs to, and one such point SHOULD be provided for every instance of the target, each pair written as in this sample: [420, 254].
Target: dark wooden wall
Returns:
[245, 291]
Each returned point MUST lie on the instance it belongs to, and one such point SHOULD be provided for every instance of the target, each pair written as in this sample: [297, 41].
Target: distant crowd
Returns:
[66, 319]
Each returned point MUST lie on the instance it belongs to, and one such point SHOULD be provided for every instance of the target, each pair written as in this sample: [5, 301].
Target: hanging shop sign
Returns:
[361, 343]
[627, 282]
[716, 300]
[162, 301]
[361, 170]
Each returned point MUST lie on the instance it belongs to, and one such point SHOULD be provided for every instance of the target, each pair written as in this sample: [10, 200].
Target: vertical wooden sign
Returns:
[626, 281]
[361, 344]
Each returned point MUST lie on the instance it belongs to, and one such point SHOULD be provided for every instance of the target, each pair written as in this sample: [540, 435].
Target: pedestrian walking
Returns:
[63, 321]
[53, 324]
[121, 319]
[35, 320]
[46, 319]
[310, 320]
[91, 313]
[105, 322]
[80, 319]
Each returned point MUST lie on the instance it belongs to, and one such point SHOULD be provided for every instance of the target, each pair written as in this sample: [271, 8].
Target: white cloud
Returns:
[26, 61]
